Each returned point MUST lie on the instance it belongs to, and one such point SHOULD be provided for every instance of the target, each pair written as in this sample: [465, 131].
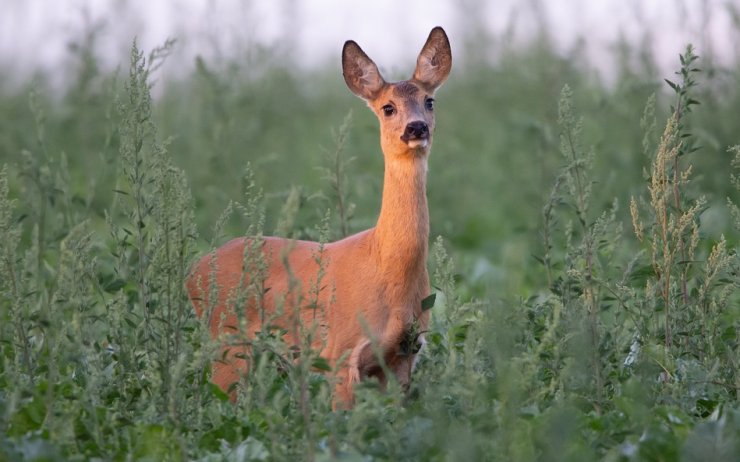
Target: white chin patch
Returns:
[418, 144]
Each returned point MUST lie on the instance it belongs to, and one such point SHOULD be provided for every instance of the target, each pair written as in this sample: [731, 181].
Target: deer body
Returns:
[374, 281]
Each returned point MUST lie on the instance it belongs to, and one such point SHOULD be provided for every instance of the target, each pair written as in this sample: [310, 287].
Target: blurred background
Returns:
[260, 83]
[36, 35]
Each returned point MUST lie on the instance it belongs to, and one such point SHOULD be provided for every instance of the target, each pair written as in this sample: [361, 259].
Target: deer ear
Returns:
[435, 60]
[360, 72]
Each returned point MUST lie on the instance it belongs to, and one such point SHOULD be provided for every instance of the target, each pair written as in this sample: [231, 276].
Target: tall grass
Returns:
[565, 325]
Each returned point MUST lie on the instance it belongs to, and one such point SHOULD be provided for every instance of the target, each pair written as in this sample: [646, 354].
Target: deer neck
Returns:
[402, 233]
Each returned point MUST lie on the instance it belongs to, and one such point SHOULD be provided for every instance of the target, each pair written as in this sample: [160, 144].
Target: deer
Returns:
[373, 282]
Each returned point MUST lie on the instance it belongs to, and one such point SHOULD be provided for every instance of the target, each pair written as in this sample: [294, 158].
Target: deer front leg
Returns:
[350, 374]
[404, 362]
[343, 398]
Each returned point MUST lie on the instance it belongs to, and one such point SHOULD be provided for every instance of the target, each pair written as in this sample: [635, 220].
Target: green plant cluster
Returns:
[586, 278]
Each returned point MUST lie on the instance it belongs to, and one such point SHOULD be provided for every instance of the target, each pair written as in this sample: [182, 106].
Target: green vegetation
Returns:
[586, 271]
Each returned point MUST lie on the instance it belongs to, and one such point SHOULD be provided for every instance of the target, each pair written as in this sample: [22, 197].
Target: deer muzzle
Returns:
[416, 131]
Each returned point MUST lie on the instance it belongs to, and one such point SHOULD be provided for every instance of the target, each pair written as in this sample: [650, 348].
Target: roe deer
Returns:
[374, 281]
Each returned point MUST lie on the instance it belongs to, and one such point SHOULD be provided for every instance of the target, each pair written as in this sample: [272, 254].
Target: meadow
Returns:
[584, 259]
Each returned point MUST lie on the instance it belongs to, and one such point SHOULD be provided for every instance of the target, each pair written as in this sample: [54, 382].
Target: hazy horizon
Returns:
[35, 35]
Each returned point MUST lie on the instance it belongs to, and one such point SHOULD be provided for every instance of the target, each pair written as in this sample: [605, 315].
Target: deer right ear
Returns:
[435, 60]
[360, 72]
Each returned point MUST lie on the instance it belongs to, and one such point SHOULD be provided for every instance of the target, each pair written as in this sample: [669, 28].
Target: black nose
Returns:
[416, 130]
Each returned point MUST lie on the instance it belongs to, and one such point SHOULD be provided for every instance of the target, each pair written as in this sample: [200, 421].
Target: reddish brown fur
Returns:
[375, 280]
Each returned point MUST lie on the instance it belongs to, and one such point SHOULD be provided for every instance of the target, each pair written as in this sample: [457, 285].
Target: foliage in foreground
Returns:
[624, 347]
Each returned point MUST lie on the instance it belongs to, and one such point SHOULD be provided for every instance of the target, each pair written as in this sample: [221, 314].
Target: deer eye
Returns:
[389, 110]
[429, 104]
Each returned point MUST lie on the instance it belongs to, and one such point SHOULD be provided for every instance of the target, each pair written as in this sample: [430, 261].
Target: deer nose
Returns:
[416, 130]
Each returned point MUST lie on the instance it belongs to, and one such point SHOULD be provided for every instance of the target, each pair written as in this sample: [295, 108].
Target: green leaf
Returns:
[217, 392]
[675, 87]
[321, 364]
[115, 285]
[642, 273]
[428, 302]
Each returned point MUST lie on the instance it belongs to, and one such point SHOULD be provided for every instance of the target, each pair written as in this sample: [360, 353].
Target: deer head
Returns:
[405, 109]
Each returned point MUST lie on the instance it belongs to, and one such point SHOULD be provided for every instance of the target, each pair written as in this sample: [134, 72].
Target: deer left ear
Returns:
[360, 72]
[435, 60]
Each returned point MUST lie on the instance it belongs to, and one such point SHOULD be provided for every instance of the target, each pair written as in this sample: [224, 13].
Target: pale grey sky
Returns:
[35, 33]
